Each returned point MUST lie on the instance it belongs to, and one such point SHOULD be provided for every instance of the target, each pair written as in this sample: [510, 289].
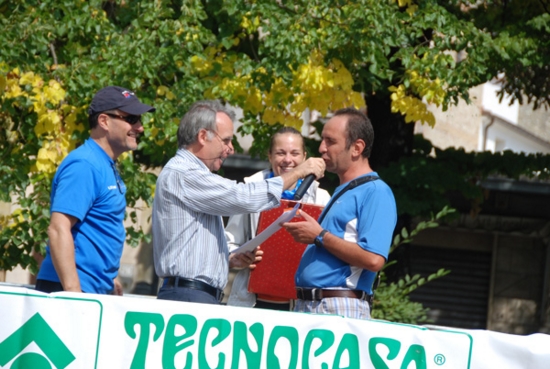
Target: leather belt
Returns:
[195, 285]
[317, 294]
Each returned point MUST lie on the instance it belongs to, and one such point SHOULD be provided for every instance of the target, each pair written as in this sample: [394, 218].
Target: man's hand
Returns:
[314, 166]
[350, 252]
[118, 290]
[245, 259]
[304, 231]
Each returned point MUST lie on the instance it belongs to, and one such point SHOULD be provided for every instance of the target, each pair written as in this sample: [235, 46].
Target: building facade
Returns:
[499, 259]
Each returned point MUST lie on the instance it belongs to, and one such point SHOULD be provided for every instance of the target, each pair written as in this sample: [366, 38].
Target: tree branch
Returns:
[54, 55]
[284, 7]
[544, 6]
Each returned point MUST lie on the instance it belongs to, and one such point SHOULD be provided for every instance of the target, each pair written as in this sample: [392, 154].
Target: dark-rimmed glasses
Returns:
[132, 119]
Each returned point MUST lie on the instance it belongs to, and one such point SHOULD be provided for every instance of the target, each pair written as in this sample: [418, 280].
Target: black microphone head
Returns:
[301, 191]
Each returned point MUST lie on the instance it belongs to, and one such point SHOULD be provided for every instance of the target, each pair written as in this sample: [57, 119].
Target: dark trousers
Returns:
[271, 305]
[48, 286]
[186, 294]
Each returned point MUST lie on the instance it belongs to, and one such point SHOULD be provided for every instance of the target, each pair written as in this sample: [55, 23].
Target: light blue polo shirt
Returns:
[365, 215]
[88, 187]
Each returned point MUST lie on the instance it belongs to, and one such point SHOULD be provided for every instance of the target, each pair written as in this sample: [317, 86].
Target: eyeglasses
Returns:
[132, 119]
[226, 141]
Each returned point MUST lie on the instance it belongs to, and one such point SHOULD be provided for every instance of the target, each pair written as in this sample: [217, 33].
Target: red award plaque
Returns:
[273, 277]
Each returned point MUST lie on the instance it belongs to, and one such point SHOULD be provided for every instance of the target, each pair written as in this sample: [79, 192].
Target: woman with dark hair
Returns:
[286, 151]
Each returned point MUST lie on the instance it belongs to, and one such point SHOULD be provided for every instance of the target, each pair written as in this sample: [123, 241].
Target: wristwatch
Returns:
[319, 239]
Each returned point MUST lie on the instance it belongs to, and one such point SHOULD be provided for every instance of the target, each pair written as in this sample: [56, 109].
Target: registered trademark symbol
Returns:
[439, 359]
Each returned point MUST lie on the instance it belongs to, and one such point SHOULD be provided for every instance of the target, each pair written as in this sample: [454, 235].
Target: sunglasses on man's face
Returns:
[132, 119]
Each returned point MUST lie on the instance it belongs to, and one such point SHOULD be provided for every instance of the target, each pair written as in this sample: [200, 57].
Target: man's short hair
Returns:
[92, 120]
[201, 115]
[359, 127]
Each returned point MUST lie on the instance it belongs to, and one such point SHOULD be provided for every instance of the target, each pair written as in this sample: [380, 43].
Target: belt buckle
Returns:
[366, 297]
[312, 294]
[316, 294]
[300, 293]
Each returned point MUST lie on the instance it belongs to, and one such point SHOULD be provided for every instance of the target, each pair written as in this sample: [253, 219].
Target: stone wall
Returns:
[459, 126]
[535, 121]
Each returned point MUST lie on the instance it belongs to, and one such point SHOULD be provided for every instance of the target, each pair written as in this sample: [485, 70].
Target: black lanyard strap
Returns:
[354, 183]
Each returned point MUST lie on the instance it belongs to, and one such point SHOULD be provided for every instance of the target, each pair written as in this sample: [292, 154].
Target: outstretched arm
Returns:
[62, 250]
[315, 166]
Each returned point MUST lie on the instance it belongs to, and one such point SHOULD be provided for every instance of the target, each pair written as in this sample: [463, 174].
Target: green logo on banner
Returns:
[38, 331]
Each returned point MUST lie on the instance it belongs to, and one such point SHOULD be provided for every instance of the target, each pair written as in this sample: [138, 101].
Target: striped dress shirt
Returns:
[188, 229]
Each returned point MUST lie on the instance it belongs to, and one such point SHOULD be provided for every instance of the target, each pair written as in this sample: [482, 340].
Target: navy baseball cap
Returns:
[115, 97]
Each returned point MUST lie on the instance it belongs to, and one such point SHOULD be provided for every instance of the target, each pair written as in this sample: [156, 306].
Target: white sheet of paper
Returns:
[266, 233]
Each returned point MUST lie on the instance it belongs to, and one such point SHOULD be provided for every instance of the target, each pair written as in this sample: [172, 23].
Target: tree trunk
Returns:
[393, 138]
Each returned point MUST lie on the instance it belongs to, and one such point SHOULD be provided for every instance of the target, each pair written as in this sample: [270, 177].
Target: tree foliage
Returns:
[423, 181]
[271, 58]
[521, 37]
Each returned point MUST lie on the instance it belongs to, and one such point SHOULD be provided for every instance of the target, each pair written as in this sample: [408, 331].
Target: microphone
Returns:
[300, 192]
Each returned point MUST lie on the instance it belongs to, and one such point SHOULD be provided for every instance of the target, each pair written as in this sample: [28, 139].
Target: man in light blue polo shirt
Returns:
[352, 241]
[86, 231]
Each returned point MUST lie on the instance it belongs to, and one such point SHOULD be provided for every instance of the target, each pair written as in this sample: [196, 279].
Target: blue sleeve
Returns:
[377, 219]
[72, 193]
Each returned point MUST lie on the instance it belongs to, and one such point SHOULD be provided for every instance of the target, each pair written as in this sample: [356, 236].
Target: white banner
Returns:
[69, 330]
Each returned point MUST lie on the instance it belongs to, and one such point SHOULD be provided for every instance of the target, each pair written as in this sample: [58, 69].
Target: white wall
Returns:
[497, 132]
[501, 136]
[490, 103]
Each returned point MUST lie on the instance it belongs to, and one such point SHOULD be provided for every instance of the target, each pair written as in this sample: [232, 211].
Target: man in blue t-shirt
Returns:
[86, 231]
[350, 246]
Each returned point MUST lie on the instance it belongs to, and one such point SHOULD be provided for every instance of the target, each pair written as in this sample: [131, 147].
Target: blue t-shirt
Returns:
[365, 215]
[88, 187]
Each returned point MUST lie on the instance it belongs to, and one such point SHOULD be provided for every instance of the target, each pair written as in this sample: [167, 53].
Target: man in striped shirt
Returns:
[190, 249]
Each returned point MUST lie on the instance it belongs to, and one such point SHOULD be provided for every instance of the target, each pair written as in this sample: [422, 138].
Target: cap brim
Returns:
[137, 108]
